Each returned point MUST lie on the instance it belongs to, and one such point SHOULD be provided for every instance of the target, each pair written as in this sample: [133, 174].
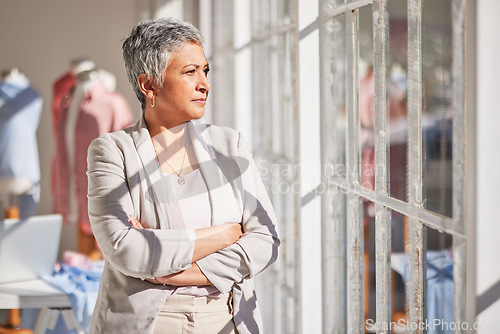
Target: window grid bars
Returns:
[382, 213]
[431, 219]
[333, 225]
[459, 149]
[418, 217]
[416, 248]
[355, 242]
[348, 7]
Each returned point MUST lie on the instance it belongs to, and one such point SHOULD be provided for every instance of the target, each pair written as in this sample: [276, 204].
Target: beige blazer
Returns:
[124, 179]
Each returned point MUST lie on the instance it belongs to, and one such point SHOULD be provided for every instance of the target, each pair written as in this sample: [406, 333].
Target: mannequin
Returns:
[20, 110]
[90, 108]
[65, 83]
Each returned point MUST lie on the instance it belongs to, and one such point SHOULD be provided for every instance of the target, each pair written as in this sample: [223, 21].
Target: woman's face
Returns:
[185, 87]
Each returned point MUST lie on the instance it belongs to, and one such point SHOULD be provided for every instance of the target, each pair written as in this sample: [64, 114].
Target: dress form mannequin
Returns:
[88, 108]
[86, 77]
[20, 109]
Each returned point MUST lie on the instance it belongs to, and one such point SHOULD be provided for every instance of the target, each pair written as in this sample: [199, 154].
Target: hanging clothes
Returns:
[61, 88]
[89, 110]
[20, 110]
[64, 85]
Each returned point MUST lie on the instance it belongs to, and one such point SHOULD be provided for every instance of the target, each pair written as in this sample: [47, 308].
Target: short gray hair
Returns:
[150, 45]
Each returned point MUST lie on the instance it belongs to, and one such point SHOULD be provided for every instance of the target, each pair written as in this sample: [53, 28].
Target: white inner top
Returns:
[189, 208]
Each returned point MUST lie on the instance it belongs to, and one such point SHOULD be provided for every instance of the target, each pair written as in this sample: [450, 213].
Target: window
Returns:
[392, 147]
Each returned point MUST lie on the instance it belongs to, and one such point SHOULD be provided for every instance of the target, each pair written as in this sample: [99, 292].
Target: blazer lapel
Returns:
[222, 199]
[152, 174]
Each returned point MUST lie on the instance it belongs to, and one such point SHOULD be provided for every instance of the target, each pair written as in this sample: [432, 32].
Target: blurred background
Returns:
[371, 122]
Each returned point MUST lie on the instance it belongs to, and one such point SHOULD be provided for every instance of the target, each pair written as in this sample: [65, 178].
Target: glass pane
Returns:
[439, 266]
[397, 65]
[369, 262]
[335, 96]
[339, 94]
[287, 99]
[261, 90]
[440, 290]
[366, 97]
[437, 115]
[276, 63]
[286, 12]
[398, 243]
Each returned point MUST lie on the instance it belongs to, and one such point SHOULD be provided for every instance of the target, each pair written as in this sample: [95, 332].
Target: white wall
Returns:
[488, 158]
[310, 170]
[41, 37]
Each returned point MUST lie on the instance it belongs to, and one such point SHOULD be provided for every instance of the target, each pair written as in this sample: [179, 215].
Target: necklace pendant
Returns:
[181, 180]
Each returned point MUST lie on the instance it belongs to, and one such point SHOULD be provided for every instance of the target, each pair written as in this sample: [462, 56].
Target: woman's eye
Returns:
[191, 71]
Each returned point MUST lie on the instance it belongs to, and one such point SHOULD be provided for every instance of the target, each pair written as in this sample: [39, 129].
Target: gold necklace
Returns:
[180, 179]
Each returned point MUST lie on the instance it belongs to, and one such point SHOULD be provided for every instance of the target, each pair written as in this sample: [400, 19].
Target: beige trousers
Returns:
[183, 314]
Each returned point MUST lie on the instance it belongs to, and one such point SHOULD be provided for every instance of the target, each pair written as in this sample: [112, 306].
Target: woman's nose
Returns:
[203, 83]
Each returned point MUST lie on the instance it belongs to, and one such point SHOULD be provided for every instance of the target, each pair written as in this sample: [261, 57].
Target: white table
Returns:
[38, 294]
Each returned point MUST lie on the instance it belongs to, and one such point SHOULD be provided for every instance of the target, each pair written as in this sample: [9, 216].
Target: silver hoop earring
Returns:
[152, 102]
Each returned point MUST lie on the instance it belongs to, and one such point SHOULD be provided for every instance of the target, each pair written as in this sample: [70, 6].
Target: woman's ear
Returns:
[146, 85]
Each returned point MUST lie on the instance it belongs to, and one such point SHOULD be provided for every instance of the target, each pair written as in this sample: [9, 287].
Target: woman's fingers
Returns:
[156, 280]
[234, 232]
[135, 223]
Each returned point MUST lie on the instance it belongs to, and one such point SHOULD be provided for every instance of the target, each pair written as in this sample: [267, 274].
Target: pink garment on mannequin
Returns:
[100, 112]
[62, 86]
[396, 107]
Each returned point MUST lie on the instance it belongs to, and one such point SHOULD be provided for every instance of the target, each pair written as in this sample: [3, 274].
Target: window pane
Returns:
[339, 92]
[439, 266]
[366, 97]
[398, 243]
[397, 64]
[440, 289]
[335, 96]
[286, 101]
[261, 89]
[285, 12]
[369, 261]
[437, 102]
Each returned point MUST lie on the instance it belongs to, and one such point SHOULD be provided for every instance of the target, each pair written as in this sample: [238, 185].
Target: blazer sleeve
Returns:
[141, 253]
[258, 246]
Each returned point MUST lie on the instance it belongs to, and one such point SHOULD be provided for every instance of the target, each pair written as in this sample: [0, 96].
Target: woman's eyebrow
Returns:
[197, 65]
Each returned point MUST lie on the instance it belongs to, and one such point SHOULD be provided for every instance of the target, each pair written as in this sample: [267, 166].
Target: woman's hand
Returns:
[211, 239]
[135, 223]
[227, 234]
[191, 276]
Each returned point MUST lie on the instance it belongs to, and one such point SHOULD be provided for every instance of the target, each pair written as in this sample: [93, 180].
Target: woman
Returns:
[177, 206]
